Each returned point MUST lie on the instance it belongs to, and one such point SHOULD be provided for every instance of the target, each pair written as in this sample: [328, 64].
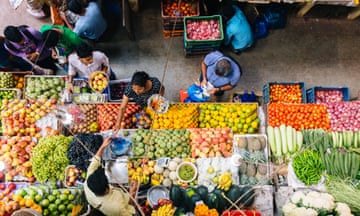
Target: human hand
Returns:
[32, 56]
[70, 87]
[106, 142]
[203, 83]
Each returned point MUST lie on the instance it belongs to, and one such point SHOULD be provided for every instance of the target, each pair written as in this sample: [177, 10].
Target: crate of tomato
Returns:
[319, 94]
[203, 31]
[173, 13]
[284, 92]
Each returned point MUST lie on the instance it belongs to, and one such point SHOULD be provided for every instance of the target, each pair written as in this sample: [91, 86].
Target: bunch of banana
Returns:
[225, 181]
[164, 210]
[156, 179]
[143, 179]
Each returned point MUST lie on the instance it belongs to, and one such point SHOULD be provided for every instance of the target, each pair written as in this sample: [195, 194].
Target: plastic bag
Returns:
[197, 94]
[70, 114]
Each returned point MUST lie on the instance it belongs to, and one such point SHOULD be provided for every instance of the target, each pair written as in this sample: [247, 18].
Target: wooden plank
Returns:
[354, 14]
[306, 8]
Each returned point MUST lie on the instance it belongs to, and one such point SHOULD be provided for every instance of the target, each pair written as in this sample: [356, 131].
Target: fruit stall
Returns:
[225, 158]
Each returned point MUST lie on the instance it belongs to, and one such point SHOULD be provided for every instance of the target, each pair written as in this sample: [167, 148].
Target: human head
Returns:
[51, 38]
[223, 67]
[13, 34]
[138, 82]
[98, 182]
[227, 11]
[84, 52]
[75, 6]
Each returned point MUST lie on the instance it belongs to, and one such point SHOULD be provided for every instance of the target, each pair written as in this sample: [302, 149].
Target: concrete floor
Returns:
[320, 51]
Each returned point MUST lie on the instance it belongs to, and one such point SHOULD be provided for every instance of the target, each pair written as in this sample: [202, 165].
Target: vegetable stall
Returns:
[201, 158]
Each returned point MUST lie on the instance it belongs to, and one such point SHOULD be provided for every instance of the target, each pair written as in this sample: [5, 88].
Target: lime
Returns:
[52, 207]
[63, 197]
[62, 208]
[66, 191]
[71, 197]
[57, 202]
[45, 212]
[51, 198]
[70, 207]
[38, 198]
[44, 202]
[21, 192]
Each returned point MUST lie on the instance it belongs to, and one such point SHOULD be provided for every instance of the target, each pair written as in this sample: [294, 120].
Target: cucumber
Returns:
[283, 139]
[271, 139]
[277, 136]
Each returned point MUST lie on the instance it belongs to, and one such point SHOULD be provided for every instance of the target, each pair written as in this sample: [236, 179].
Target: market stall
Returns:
[203, 158]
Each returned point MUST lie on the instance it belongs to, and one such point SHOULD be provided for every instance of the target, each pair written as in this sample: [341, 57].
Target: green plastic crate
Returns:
[211, 42]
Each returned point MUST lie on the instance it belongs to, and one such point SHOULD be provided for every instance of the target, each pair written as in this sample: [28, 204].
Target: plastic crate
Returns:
[122, 83]
[311, 94]
[27, 77]
[237, 97]
[215, 42]
[177, 19]
[193, 52]
[266, 90]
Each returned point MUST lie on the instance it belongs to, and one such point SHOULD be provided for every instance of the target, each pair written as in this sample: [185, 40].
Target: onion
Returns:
[344, 116]
[202, 30]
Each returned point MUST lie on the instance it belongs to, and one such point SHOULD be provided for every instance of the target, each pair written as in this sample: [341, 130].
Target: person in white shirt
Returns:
[86, 61]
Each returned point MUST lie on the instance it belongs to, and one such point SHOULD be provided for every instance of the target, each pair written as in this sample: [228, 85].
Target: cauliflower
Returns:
[303, 212]
[313, 194]
[297, 197]
[321, 201]
[288, 207]
[343, 209]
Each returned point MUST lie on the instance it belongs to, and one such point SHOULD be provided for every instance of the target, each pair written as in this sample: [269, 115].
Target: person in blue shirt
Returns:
[222, 72]
[238, 33]
[91, 23]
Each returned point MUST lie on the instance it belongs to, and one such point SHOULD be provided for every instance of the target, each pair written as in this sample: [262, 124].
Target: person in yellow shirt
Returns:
[101, 195]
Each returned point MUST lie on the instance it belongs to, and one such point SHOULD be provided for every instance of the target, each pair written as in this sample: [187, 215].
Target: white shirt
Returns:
[76, 67]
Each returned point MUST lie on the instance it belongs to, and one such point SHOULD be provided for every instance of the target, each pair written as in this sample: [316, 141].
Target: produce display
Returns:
[344, 116]
[308, 167]
[314, 203]
[172, 8]
[15, 152]
[49, 158]
[19, 116]
[98, 81]
[284, 141]
[117, 89]
[74, 176]
[286, 93]
[78, 151]
[6, 80]
[178, 116]
[154, 144]
[164, 207]
[203, 29]
[7, 94]
[252, 153]
[37, 87]
[209, 142]
[107, 116]
[141, 170]
[47, 200]
[240, 118]
[89, 124]
[328, 95]
[299, 116]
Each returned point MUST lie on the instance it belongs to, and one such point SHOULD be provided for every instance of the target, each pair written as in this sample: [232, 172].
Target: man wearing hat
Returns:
[221, 72]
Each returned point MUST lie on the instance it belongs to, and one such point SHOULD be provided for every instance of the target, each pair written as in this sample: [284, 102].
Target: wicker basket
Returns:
[26, 212]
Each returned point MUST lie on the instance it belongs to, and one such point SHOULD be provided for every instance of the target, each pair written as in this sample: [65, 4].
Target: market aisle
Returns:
[319, 52]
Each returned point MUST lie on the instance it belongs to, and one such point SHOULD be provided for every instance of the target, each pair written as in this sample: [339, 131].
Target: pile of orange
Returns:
[178, 116]
[299, 116]
[241, 118]
[19, 81]
[285, 93]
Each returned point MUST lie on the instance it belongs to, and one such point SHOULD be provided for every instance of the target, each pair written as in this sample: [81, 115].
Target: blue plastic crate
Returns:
[311, 94]
[266, 90]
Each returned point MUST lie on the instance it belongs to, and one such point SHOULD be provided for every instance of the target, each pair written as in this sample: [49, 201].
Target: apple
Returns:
[2, 186]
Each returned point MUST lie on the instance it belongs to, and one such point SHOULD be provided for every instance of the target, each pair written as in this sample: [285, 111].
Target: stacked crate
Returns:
[195, 46]
[173, 13]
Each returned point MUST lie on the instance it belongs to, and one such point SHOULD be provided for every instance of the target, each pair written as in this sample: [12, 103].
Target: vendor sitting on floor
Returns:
[87, 61]
[103, 196]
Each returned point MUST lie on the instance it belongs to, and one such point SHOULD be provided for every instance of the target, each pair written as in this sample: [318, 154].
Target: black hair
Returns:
[51, 37]
[140, 78]
[227, 11]
[75, 6]
[98, 182]
[223, 67]
[13, 34]
[84, 50]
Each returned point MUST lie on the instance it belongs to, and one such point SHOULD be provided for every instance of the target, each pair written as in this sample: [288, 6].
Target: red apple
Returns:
[2, 186]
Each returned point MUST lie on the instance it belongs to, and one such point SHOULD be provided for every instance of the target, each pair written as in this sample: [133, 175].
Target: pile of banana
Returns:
[225, 181]
[164, 210]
